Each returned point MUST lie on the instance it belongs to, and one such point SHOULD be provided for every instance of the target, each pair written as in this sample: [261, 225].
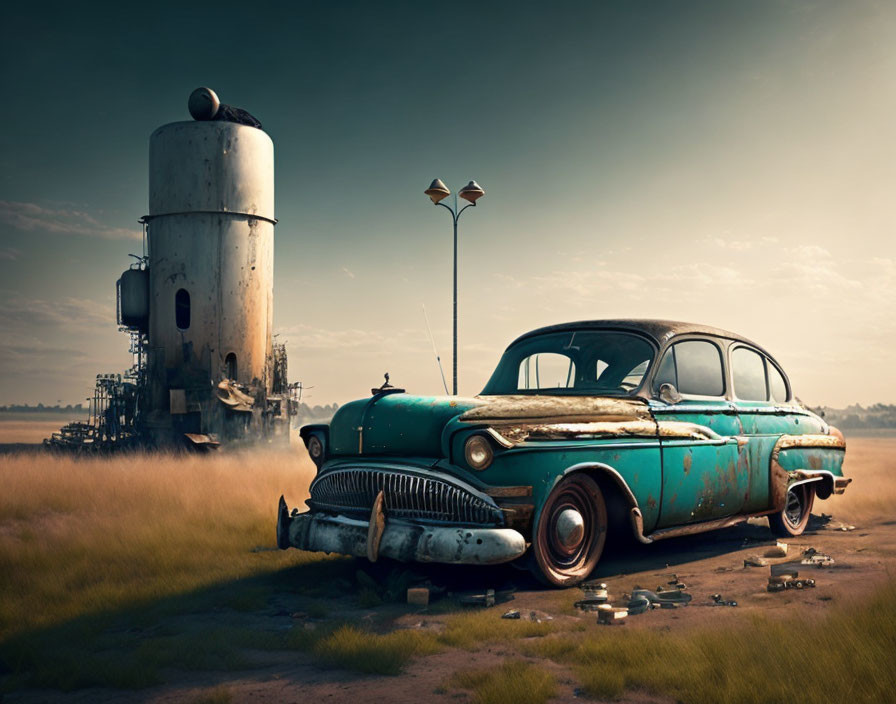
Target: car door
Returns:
[761, 396]
[703, 477]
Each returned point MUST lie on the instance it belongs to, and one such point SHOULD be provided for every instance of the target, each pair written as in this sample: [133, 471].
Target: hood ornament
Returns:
[386, 388]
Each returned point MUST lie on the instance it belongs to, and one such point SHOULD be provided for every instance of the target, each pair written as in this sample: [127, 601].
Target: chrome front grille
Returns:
[430, 499]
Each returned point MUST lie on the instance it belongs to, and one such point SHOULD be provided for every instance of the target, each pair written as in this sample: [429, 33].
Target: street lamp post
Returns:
[437, 192]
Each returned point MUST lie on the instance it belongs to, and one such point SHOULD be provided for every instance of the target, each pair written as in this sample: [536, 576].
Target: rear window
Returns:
[776, 383]
[748, 375]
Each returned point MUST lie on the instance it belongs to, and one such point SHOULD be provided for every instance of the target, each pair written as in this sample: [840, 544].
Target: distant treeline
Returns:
[41, 408]
[854, 417]
[315, 414]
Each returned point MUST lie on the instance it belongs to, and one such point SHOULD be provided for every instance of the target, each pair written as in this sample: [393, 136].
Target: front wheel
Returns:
[571, 532]
[793, 519]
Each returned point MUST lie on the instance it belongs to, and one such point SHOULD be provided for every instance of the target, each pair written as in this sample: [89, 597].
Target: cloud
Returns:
[733, 245]
[306, 337]
[31, 217]
[18, 313]
[634, 285]
[348, 273]
[739, 245]
[9, 254]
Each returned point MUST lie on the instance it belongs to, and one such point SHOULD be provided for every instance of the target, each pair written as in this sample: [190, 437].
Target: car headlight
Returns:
[316, 450]
[478, 452]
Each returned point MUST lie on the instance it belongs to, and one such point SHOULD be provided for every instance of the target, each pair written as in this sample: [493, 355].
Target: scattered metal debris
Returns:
[595, 595]
[488, 598]
[778, 550]
[718, 600]
[418, 596]
[813, 558]
[638, 605]
[668, 599]
[590, 603]
[513, 614]
[755, 561]
[609, 615]
[782, 582]
[785, 575]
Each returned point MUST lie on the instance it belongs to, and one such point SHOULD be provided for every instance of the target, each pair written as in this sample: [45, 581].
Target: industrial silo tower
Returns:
[202, 300]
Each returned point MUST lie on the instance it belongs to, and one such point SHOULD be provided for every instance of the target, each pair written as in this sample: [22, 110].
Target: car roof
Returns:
[660, 331]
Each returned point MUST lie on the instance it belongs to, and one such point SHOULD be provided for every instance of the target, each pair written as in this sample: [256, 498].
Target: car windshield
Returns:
[580, 362]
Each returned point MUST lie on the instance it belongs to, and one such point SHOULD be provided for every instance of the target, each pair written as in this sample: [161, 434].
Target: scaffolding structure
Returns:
[113, 412]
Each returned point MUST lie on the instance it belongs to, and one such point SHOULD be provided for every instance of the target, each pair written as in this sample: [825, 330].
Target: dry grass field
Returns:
[31, 428]
[154, 578]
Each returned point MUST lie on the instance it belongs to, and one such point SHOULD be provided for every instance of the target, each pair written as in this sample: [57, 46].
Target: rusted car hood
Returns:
[404, 425]
[396, 424]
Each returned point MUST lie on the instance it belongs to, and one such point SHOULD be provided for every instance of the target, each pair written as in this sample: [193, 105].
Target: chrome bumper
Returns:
[399, 540]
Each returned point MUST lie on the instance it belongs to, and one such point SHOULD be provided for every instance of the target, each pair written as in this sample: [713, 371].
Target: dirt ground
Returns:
[709, 563]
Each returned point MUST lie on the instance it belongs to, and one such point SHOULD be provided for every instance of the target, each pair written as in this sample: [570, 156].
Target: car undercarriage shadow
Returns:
[621, 556]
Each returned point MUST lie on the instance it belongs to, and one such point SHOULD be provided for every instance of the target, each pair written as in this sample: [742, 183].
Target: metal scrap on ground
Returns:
[778, 550]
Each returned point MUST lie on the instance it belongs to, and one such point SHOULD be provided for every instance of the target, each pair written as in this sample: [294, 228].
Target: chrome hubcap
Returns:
[570, 527]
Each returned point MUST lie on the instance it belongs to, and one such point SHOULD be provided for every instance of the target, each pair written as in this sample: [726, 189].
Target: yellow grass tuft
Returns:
[513, 682]
[353, 649]
[477, 627]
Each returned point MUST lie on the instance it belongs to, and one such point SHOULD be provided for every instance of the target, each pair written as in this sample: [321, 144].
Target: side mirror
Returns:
[669, 394]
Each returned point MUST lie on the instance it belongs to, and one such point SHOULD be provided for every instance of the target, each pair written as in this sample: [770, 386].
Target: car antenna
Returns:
[434, 350]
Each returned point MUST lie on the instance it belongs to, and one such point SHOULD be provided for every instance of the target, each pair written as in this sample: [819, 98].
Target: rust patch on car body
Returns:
[554, 409]
[511, 432]
[688, 461]
[519, 432]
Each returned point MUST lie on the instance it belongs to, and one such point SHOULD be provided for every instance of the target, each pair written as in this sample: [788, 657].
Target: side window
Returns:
[776, 383]
[748, 373]
[546, 370]
[182, 309]
[698, 366]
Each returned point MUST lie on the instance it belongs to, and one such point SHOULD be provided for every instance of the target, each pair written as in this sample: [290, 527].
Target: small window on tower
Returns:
[230, 366]
[182, 309]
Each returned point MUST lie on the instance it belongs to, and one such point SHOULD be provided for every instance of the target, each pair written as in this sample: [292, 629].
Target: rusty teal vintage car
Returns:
[674, 428]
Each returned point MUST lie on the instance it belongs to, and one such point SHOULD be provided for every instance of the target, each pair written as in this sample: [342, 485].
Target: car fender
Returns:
[802, 459]
[600, 469]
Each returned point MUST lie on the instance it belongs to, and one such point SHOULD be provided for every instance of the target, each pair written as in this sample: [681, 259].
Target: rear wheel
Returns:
[571, 532]
[797, 508]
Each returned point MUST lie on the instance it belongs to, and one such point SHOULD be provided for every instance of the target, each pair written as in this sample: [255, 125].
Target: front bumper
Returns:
[400, 540]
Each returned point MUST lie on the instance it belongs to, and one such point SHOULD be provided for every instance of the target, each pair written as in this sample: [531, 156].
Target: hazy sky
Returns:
[724, 163]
